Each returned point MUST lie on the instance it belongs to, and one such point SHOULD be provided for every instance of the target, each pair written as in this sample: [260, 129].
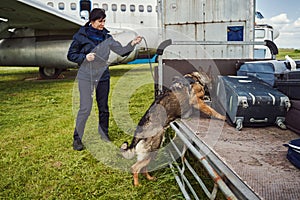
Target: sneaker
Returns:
[77, 145]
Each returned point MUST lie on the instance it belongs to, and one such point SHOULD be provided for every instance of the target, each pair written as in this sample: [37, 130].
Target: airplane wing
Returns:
[32, 14]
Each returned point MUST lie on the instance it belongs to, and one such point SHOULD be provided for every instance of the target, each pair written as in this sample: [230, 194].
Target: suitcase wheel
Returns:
[239, 124]
[281, 125]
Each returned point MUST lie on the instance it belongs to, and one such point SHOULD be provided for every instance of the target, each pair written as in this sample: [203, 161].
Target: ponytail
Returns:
[87, 24]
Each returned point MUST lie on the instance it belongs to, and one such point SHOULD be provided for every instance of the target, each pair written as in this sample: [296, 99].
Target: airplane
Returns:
[39, 33]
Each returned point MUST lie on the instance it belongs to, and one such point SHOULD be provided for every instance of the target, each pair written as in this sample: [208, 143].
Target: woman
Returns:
[90, 49]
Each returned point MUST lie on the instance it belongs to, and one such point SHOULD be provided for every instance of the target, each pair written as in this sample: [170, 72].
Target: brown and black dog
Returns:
[185, 93]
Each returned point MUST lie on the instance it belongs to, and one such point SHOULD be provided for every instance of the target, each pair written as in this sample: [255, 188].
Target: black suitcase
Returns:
[289, 83]
[293, 116]
[249, 101]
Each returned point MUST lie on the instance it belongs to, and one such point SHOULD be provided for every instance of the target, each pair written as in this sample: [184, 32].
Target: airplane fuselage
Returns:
[36, 44]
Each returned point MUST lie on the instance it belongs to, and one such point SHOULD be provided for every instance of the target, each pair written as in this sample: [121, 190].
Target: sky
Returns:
[283, 15]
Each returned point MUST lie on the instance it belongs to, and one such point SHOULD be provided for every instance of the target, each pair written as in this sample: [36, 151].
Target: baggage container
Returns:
[289, 83]
[249, 101]
[293, 116]
[264, 70]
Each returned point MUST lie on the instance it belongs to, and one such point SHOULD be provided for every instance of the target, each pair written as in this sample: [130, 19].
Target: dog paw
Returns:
[136, 184]
[222, 117]
[149, 177]
[152, 178]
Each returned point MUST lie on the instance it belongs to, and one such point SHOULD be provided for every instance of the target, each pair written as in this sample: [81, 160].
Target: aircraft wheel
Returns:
[49, 73]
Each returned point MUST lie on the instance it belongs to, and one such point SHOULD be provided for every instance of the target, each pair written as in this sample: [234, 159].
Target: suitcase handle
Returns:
[252, 120]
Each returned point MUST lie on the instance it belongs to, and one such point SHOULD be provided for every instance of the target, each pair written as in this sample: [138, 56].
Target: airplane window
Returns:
[61, 6]
[149, 8]
[114, 7]
[105, 6]
[123, 7]
[95, 5]
[73, 6]
[50, 4]
[141, 8]
[132, 8]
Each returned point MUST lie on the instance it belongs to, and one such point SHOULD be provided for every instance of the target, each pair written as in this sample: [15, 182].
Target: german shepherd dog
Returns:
[185, 93]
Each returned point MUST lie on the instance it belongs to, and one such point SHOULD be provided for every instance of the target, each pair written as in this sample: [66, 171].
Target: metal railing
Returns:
[223, 177]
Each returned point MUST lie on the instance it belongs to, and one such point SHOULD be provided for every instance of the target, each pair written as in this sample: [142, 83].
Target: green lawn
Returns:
[293, 53]
[37, 160]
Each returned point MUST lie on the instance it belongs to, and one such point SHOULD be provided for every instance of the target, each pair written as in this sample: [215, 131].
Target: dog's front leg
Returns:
[202, 106]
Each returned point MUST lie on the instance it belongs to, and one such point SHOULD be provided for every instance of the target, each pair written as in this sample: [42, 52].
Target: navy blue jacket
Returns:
[83, 44]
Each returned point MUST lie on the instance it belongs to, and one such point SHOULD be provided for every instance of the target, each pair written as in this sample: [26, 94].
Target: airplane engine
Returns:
[50, 56]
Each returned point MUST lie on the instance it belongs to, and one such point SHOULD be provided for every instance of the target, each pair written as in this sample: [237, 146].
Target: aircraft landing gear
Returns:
[49, 73]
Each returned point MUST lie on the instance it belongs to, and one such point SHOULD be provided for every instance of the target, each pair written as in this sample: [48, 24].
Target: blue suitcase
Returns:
[249, 101]
[264, 70]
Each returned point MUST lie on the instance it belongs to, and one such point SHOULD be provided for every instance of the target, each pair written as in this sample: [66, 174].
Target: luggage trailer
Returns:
[217, 36]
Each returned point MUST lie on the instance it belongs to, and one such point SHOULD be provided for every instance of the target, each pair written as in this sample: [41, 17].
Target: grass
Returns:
[293, 53]
[37, 159]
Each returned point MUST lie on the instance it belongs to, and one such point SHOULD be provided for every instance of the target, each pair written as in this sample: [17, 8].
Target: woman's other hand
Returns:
[90, 57]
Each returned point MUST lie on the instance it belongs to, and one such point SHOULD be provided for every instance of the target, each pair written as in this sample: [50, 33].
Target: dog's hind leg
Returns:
[136, 169]
[147, 175]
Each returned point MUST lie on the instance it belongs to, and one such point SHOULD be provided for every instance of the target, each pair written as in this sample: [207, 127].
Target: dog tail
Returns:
[126, 152]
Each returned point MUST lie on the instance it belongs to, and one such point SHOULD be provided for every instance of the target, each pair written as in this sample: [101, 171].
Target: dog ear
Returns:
[201, 77]
[179, 83]
[176, 79]
[189, 79]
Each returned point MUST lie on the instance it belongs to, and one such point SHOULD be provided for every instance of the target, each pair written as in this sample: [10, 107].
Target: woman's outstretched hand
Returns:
[136, 40]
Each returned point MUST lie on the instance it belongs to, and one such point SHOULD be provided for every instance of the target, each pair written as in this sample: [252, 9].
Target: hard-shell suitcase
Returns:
[293, 154]
[249, 101]
[263, 70]
[293, 116]
[289, 83]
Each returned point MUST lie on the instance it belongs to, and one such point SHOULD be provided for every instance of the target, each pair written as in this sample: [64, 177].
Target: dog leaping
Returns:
[185, 93]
